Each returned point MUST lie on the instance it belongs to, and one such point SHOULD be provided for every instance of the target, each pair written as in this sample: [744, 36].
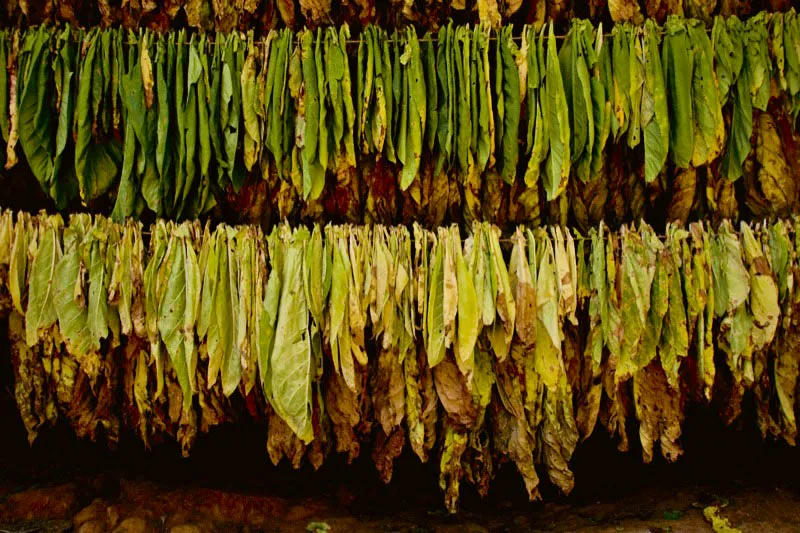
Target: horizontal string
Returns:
[492, 38]
[518, 38]
[507, 240]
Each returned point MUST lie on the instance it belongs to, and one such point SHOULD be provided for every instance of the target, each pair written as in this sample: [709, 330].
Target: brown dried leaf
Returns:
[659, 409]
[282, 442]
[386, 449]
[343, 408]
[660, 9]
[625, 11]
[559, 435]
[681, 201]
[388, 391]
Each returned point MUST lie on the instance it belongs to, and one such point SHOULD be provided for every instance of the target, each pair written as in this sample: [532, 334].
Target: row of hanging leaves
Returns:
[479, 350]
[174, 122]
[429, 14]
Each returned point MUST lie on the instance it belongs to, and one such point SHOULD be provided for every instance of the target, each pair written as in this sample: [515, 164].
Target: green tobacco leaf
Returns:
[655, 116]
[511, 99]
[435, 323]
[502, 331]
[98, 300]
[64, 187]
[338, 323]
[376, 114]
[730, 277]
[361, 84]
[334, 72]
[139, 177]
[709, 128]
[393, 52]
[230, 115]
[469, 316]
[71, 307]
[674, 344]
[763, 298]
[313, 172]
[269, 320]
[347, 97]
[638, 78]
[522, 284]
[740, 132]
[246, 327]
[279, 106]
[164, 52]
[558, 162]
[210, 266]
[548, 341]
[463, 116]
[432, 92]
[252, 126]
[678, 63]
[621, 59]
[223, 328]
[791, 73]
[499, 97]
[178, 311]
[323, 134]
[186, 195]
[638, 271]
[757, 59]
[485, 116]
[401, 91]
[577, 87]
[735, 72]
[41, 312]
[5, 118]
[171, 313]
[598, 303]
[96, 162]
[445, 114]
[602, 103]
[779, 248]
[416, 108]
[153, 287]
[726, 38]
[291, 363]
[36, 131]
[539, 125]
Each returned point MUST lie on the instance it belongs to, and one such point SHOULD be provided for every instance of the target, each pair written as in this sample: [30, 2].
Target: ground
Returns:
[147, 506]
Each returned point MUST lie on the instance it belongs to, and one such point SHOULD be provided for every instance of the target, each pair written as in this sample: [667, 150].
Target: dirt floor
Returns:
[146, 506]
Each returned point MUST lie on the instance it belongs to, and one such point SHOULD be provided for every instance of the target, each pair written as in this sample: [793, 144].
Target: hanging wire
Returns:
[350, 42]
[390, 39]
[502, 240]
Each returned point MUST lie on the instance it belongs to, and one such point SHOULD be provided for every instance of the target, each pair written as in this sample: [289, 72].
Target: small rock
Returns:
[178, 518]
[298, 513]
[306, 510]
[186, 528]
[187, 522]
[113, 515]
[47, 503]
[92, 526]
[134, 524]
[95, 512]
